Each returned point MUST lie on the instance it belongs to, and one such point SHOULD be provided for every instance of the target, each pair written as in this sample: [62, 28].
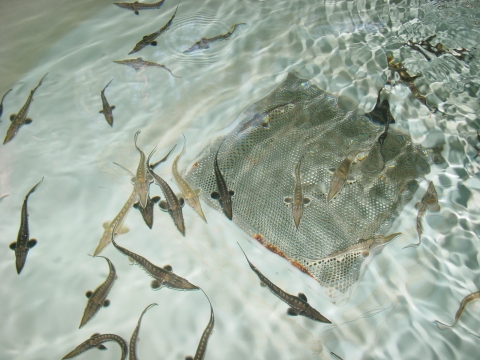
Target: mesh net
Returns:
[258, 159]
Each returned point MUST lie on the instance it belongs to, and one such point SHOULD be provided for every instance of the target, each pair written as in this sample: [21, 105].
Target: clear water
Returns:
[341, 46]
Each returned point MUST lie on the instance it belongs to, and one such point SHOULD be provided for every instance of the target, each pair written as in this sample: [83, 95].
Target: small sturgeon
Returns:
[172, 205]
[363, 247]
[147, 212]
[117, 222]
[132, 352]
[98, 298]
[1, 103]
[340, 174]
[298, 200]
[142, 177]
[202, 345]
[429, 201]
[263, 118]
[23, 244]
[162, 276]
[139, 63]
[204, 43]
[463, 304]
[298, 304]
[135, 6]
[107, 109]
[224, 196]
[96, 341]
[150, 39]
[189, 194]
[17, 120]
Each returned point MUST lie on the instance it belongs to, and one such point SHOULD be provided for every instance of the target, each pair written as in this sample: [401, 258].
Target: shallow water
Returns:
[341, 47]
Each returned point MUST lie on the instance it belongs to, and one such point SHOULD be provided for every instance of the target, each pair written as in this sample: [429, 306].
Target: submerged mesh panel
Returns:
[258, 160]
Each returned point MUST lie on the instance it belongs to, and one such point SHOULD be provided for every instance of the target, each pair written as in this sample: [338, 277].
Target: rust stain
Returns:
[277, 251]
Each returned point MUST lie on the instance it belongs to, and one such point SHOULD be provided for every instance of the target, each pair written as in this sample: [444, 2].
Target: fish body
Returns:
[204, 43]
[23, 243]
[202, 345]
[363, 246]
[189, 194]
[298, 304]
[20, 119]
[1, 103]
[263, 118]
[339, 177]
[139, 63]
[107, 109]
[98, 298]
[150, 39]
[142, 177]
[136, 6]
[117, 222]
[429, 202]
[132, 352]
[224, 196]
[463, 304]
[96, 341]
[298, 200]
[162, 276]
[172, 205]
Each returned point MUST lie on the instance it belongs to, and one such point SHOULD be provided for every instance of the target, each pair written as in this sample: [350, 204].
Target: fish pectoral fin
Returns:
[112, 107]
[105, 225]
[163, 205]
[231, 192]
[156, 285]
[123, 230]
[153, 43]
[136, 12]
[350, 179]
[302, 296]
[188, 358]
[12, 117]
[215, 195]
[31, 243]
[94, 335]
[130, 260]
[133, 180]
[13, 245]
[181, 200]
[434, 207]
[262, 284]
[292, 312]
[155, 199]
[136, 205]
[331, 171]
[100, 112]
[365, 253]
[198, 191]
[168, 267]
[306, 201]
[27, 121]
[106, 303]
[288, 200]
[418, 205]
[88, 294]
[101, 347]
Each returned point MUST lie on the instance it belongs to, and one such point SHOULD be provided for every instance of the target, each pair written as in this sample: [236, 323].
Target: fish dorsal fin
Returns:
[94, 335]
[101, 347]
[302, 296]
